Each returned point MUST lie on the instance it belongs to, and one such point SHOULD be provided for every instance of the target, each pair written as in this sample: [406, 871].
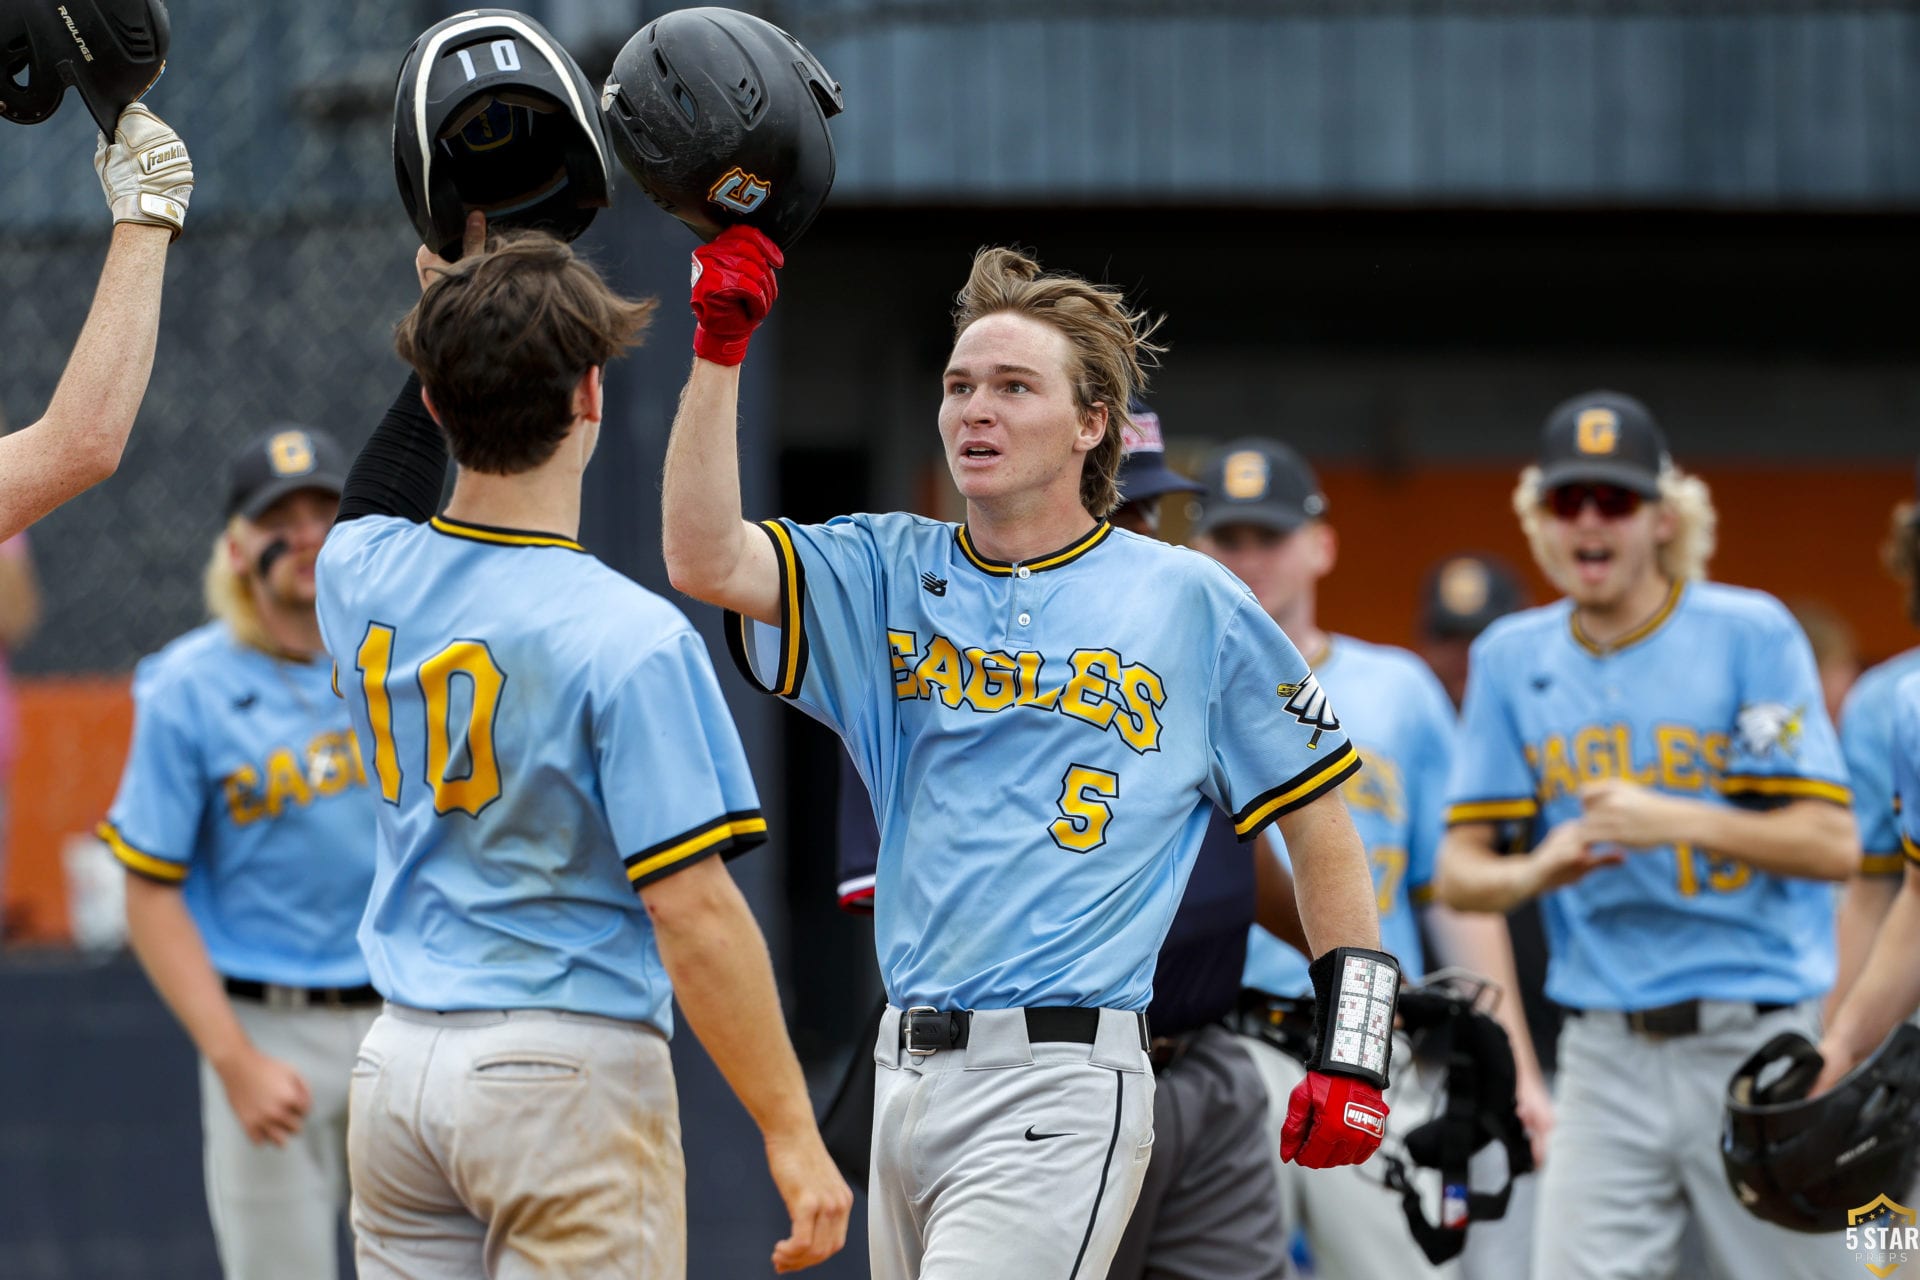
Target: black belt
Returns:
[1682, 1019]
[276, 996]
[924, 1029]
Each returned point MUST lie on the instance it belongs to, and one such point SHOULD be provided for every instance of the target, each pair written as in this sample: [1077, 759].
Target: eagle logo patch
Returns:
[1763, 727]
[1307, 703]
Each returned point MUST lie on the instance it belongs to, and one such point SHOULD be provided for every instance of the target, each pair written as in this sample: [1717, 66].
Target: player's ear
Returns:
[1326, 548]
[1666, 523]
[1093, 427]
[588, 395]
[427, 400]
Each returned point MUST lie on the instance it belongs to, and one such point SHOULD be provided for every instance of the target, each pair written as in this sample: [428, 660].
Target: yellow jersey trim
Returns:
[1304, 787]
[1881, 864]
[787, 680]
[1634, 636]
[1908, 847]
[1491, 811]
[144, 863]
[1743, 784]
[728, 828]
[1039, 564]
[501, 537]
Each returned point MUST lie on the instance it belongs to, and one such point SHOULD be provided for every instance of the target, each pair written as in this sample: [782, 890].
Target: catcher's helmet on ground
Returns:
[721, 117]
[110, 50]
[1803, 1162]
[490, 113]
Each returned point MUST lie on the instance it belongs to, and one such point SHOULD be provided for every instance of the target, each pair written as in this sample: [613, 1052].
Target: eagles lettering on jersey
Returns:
[243, 786]
[1104, 689]
[287, 778]
[1042, 741]
[1715, 699]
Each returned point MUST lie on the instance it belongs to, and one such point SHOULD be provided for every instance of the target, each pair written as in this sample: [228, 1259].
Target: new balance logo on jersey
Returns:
[1366, 1119]
[1542, 683]
[245, 701]
[934, 586]
[1309, 706]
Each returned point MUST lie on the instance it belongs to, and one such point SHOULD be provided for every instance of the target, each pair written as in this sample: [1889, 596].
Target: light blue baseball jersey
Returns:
[546, 737]
[1043, 742]
[243, 786]
[1714, 698]
[1401, 723]
[1866, 735]
[1906, 766]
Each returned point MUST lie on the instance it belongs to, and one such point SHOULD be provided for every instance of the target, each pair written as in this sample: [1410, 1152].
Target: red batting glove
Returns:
[1332, 1120]
[733, 289]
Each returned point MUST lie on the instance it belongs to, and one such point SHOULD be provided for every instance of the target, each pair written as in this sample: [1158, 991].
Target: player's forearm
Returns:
[1481, 943]
[78, 442]
[1470, 876]
[1331, 878]
[1888, 988]
[1863, 907]
[704, 533]
[722, 978]
[170, 949]
[1810, 839]
[403, 466]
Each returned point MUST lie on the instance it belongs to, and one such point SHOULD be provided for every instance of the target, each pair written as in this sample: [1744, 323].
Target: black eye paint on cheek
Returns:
[270, 553]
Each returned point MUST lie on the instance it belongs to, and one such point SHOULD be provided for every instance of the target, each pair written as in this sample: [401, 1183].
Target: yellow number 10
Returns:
[481, 785]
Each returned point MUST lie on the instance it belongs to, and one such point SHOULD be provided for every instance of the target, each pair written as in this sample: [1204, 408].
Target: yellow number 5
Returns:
[480, 785]
[1084, 811]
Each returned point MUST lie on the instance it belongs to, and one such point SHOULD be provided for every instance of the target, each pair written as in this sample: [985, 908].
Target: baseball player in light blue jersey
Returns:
[559, 781]
[1264, 517]
[1668, 737]
[1044, 710]
[1866, 735]
[246, 825]
[1887, 990]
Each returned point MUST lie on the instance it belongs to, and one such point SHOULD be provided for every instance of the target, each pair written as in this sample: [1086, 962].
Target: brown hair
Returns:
[1110, 343]
[1901, 553]
[501, 339]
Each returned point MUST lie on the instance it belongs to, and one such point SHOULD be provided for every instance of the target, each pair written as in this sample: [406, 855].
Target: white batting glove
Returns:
[145, 171]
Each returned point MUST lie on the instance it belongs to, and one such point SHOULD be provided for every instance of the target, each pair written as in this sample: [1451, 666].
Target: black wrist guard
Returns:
[1354, 990]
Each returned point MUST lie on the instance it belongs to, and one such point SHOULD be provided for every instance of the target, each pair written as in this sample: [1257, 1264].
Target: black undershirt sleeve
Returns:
[403, 466]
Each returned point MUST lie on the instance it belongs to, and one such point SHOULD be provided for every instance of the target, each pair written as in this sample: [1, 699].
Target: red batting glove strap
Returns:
[733, 289]
[1332, 1120]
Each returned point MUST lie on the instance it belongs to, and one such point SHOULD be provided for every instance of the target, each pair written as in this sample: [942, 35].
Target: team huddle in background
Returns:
[427, 829]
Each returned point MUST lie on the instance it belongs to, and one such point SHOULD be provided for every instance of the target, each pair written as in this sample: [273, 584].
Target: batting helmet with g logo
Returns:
[490, 113]
[1803, 1162]
[721, 117]
[110, 50]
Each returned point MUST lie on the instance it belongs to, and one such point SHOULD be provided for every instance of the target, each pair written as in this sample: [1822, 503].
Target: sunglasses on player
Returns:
[1611, 500]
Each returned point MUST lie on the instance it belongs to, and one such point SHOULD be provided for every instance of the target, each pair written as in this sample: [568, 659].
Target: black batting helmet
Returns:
[1803, 1162]
[721, 117]
[110, 50]
[490, 113]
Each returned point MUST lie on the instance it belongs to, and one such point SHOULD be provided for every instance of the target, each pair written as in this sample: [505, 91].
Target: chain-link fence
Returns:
[280, 298]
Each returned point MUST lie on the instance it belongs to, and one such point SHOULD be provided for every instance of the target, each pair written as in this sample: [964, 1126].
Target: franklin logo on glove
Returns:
[1337, 1115]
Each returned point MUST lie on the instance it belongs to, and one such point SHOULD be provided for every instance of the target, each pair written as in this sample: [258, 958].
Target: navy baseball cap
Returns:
[1463, 594]
[1259, 482]
[285, 459]
[1144, 472]
[1603, 437]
